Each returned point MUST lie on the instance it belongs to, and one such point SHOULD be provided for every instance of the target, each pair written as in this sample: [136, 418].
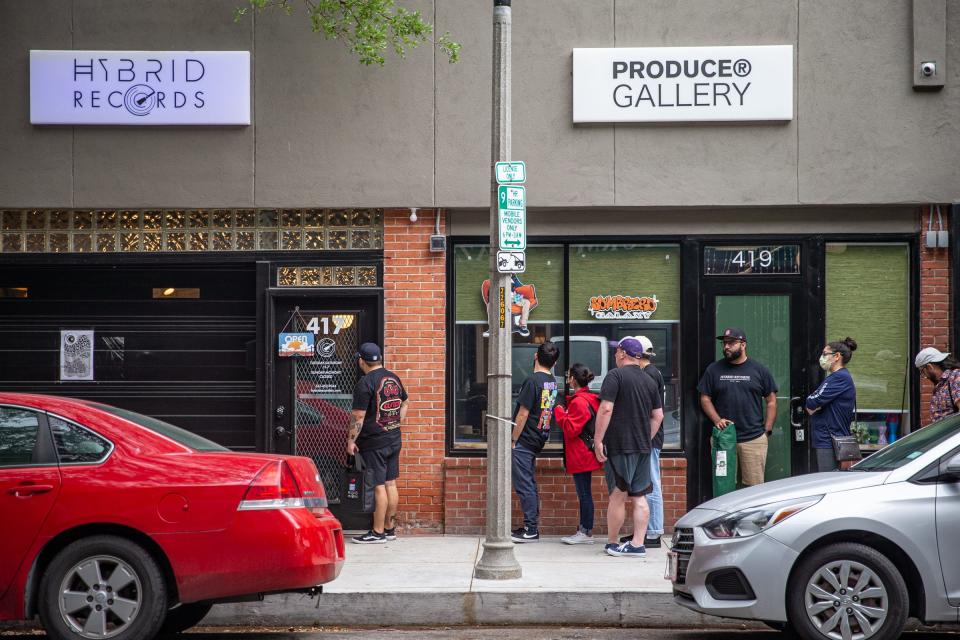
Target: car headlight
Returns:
[751, 521]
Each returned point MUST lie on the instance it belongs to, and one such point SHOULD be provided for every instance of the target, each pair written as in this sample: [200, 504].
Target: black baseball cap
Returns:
[370, 352]
[732, 333]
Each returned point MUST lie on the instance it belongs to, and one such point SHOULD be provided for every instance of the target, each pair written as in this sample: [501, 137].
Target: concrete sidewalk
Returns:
[428, 580]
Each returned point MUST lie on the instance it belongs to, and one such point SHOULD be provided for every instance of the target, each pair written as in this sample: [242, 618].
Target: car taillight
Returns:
[273, 488]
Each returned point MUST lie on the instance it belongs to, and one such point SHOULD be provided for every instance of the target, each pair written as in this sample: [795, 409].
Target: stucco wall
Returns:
[328, 132]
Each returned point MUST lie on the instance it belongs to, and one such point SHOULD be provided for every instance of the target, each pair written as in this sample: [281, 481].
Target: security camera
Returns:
[928, 69]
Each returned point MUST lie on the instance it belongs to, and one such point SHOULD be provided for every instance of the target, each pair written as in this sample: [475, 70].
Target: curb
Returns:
[621, 608]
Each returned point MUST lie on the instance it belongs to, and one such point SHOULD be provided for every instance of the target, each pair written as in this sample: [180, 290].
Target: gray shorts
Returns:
[630, 473]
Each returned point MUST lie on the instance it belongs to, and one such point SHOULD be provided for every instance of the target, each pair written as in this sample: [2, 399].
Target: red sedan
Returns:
[115, 525]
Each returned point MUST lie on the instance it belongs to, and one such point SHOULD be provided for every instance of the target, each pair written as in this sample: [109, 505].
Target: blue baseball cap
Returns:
[370, 352]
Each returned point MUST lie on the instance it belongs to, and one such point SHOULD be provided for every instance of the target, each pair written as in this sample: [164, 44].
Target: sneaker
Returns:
[611, 546]
[525, 535]
[390, 533]
[580, 537]
[524, 332]
[652, 543]
[626, 550]
[371, 537]
[626, 538]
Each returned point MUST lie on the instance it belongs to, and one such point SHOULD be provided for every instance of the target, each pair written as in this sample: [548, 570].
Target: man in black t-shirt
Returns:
[742, 392]
[379, 406]
[630, 414]
[531, 429]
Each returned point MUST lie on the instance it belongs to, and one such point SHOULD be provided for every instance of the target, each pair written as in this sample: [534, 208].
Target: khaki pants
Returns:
[752, 460]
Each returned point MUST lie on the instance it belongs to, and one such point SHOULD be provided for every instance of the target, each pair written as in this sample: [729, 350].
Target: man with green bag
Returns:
[738, 394]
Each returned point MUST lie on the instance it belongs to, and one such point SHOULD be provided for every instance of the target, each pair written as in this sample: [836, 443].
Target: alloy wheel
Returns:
[100, 597]
[846, 600]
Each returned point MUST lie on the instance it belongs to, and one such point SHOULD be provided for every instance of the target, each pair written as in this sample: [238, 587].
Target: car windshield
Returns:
[166, 429]
[910, 447]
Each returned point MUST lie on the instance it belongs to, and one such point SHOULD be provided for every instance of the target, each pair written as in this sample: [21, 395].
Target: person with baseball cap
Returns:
[379, 406]
[629, 417]
[943, 370]
[739, 391]
[655, 497]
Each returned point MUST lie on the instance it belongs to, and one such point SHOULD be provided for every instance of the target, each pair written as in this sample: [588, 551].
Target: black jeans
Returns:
[582, 482]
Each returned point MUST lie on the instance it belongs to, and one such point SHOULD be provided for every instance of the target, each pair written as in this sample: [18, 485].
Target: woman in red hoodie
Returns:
[580, 459]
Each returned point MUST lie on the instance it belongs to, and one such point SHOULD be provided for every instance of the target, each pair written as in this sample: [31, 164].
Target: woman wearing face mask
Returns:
[832, 405]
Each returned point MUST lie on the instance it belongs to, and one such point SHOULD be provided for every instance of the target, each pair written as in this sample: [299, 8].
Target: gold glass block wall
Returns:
[327, 276]
[190, 230]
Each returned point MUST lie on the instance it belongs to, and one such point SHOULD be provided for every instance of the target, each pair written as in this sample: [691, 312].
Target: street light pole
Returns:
[498, 561]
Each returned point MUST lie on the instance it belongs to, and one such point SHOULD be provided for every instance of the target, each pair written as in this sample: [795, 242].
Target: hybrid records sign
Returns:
[683, 84]
[140, 87]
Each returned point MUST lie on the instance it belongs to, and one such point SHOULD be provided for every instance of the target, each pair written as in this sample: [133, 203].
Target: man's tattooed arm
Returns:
[356, 424]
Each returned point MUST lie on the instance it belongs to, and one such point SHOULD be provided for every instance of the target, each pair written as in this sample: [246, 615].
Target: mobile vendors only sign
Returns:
[683, 84]
[140, 87]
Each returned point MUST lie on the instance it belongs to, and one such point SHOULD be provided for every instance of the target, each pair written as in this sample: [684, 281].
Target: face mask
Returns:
[825, 362]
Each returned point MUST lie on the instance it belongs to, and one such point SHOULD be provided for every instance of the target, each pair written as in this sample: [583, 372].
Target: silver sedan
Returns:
[843, 555]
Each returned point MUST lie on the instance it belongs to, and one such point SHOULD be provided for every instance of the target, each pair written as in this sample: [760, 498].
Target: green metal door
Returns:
[766, 321]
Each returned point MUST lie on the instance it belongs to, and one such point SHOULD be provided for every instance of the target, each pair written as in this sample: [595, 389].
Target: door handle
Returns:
[26, 490]
[280, 431]
[796, 412]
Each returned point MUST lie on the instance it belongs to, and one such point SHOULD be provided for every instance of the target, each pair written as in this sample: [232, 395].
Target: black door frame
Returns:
[347, 297]
[807, 320]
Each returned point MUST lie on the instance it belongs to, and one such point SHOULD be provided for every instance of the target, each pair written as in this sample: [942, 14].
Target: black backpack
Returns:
[590, 428]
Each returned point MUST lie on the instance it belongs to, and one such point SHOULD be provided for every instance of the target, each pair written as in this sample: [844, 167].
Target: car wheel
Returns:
[102, 587]
[847, 591]
[184, 617]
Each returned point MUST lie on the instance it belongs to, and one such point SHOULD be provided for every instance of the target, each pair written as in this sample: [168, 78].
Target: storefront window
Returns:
[628, 290]
[868, 299]
[613, 291]
[536, 301]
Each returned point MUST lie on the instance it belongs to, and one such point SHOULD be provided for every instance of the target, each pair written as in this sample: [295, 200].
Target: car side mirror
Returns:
[951, 470]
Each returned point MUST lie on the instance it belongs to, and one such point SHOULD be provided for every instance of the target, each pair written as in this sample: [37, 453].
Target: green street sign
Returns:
[512, 208]
[511, 172]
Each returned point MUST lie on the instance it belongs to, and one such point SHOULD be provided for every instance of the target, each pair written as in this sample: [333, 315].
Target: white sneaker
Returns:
[578, 538]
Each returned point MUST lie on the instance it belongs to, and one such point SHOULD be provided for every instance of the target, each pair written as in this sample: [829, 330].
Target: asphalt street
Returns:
[484, 633]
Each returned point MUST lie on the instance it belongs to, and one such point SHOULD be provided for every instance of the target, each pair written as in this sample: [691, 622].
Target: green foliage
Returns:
[368, 27]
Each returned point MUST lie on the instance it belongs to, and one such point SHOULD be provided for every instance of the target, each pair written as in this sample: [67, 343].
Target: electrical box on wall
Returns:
[438, 244]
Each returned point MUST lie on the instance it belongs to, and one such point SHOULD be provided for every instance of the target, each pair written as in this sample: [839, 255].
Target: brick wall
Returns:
[414, 281]
[464, 496]
[934, 301]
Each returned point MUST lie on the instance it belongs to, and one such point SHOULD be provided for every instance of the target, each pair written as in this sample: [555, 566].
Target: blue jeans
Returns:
[655, 497]
[582, 482]
[525, 484]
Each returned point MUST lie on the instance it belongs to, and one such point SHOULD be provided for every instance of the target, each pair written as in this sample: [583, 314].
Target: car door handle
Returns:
[26, 490]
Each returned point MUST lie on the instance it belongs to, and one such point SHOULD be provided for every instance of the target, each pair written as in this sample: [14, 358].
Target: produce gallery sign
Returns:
[140, 87]
[622, 307]
[683, 84]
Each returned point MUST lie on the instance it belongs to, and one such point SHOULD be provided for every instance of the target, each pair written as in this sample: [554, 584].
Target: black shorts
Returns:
[630, 473]
[384, 461]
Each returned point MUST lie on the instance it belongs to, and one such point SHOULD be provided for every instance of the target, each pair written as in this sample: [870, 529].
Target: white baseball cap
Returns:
[647, 346]
[928, 356]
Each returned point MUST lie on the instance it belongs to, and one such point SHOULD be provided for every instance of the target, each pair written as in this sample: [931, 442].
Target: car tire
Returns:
[130, 604]
[818, 582]
[184, 617]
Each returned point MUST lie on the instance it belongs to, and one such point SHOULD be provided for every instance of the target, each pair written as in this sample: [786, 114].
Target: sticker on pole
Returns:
[511, 261]
[511, 172]
[512, 207]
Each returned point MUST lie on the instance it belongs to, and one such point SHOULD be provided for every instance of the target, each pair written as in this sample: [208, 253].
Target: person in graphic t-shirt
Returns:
[531, 429]
[379, 406]
[741, 391]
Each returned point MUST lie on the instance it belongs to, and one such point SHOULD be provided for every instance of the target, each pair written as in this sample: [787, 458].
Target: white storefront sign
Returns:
[683, 84]
[140, 87]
